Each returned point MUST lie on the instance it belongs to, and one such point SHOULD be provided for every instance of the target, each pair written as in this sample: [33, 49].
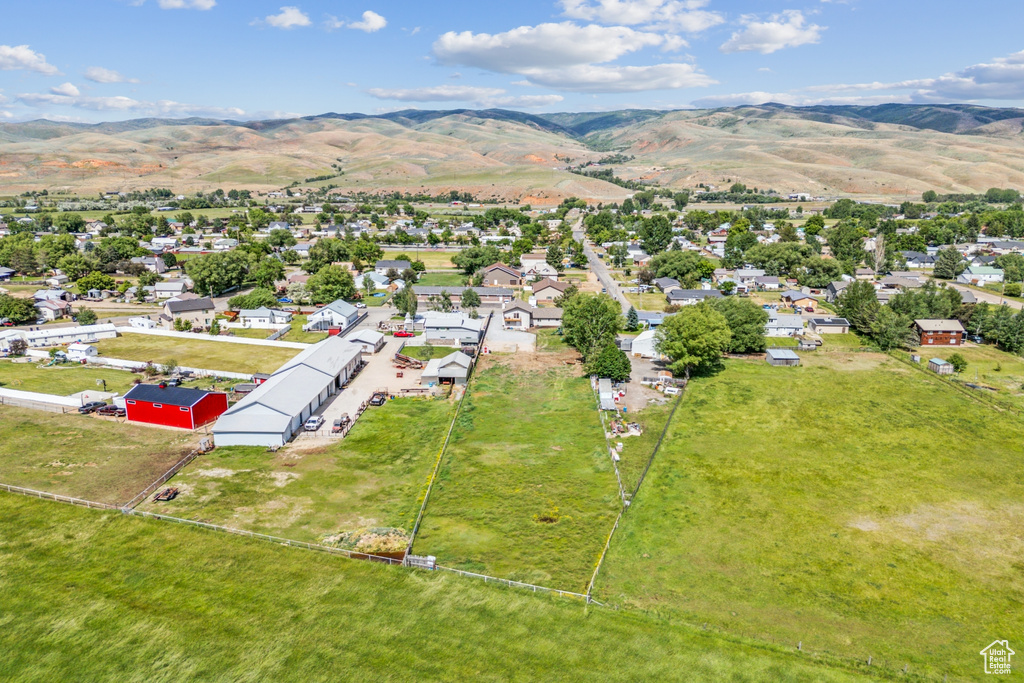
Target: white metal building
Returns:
[278, 407]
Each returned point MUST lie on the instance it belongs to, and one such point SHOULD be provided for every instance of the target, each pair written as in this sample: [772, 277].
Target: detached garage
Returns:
[173, 406]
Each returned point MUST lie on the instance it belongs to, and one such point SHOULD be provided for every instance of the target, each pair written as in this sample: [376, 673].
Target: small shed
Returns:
[782, 357]
[940, 367]
[606, 394]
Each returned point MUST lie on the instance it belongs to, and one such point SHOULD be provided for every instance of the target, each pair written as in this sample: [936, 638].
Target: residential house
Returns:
[154, 264]
[369, 341]
[169, 289]
[57, 280]
[278, 225]
[452, 329]
[225, 244]
[980, 275]
[383, 266]
[781, 325]
[263, 318]
[666, 283]
[200, 312]
[52, 295]
[795, 298]
[916, 259]
[489, 296]
[940, 332]
[748, 276]
[53, 309]
[651, 319]
[6, 273]
[834, 289]
[519, 315]
[500, 275]
[767, 283]
[338, 314]
[548, 290]
[829, 325]
[691, 297]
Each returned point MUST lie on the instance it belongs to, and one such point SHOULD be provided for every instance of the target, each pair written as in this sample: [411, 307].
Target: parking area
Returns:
[379, 373]
[509, 341]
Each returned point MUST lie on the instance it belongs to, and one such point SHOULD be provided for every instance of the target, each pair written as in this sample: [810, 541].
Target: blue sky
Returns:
[105, 60]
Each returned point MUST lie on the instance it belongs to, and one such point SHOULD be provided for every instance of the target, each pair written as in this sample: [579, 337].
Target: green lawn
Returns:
[636, 450]
[85, 457]
[442, 279]
[987, 366]
[62, 380]
[527, 490]
[197, 353]
[550, 340]
[99, 596]
[251, 333]
[373, 478]
[649, 301]
[296, 334]
[852, 504]
[427, 352]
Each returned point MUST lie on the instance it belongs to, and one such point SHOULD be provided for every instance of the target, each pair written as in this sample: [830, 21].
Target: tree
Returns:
[85, 316]
[215, 328]
[609, 361]
[891, 330]
[818, 272]
[858, 303]
[590, 321]
[76, 266]
[554, 258]
[279, 237]
[787, 233]
[369, 285]
[169, 259]
[632, 320]
[94, 280]
[680, 200]
[846, 241]
[330, 284]
[17, 347]
[257, 298]
[471, 301]
[405, 301]
[655, 234]
[949, 264]
[682, 264]
[746, 322]
[958, 362]
[16, 310]
[269, 271]
[215, 273]
[814, 225]
[441, 302]
[476, 258]
[694, 339]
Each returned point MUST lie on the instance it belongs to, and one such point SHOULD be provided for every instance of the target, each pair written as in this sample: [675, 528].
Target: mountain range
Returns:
[888, 151]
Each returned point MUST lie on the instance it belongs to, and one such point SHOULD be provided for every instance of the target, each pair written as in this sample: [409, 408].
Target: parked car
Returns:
[378, 399]
[6, 322]
[977, 339]
[112, 411]
[314, 423]
[91, 407]
[360, 304]
[404, 333]
[174, 382]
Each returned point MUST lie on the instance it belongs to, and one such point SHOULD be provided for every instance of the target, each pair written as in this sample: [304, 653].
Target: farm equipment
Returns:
[406, 362]
[166, 495]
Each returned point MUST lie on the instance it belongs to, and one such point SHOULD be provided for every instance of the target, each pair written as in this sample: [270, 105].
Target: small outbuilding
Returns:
[180, 407]
[783, 357]
[452, 369]
[940, 367]
[369, 341]
[78, 352]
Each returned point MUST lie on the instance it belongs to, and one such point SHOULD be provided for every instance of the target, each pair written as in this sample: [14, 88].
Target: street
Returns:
[600, 269]
[989, 297]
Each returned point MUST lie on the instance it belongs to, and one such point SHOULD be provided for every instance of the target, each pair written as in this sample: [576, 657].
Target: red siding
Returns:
[941, 338]
[209, 408]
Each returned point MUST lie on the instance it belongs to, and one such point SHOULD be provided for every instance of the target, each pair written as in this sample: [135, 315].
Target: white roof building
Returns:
[276, 410]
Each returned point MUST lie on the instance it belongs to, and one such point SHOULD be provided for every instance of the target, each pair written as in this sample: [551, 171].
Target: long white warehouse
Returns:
[277, 409]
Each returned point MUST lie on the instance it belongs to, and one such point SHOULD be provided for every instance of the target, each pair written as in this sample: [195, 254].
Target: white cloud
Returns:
[187, 4]
[546, 46]
[683, 15]
[438, 93]
[783, 30]
[167, 108]
[370, 23]
[67, 89]
[487, 97]
[98, 74]
[792, 99]
[23, 57]
[289, 18]
[4, 114]
[592, 78]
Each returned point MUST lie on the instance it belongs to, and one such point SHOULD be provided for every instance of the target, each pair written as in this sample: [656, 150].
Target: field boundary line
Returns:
[607, 441]
[162, 479]
[433, 474]
[70, 500]
[519, 584]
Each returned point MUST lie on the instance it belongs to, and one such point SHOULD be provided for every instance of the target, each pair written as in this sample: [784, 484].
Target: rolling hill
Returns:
[887, 151]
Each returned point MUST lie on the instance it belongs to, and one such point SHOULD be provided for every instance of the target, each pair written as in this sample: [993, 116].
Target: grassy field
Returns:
[636, 450]
[251, 333]
[197, 353]
[86, 457]
[987, 366]
[431, 259]
[62, 380]
[852, 504]
[442, 279]
[526, 490]
[372, 478]
[93, 596]
[649, 301]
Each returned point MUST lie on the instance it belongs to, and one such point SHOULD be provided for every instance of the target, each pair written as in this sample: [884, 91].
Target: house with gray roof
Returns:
[337, 314]
[691, 297]
[452, 369]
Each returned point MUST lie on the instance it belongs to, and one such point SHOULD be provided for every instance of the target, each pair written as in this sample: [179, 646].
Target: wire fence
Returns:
[130, 505]
[607, 441]
[519, 584]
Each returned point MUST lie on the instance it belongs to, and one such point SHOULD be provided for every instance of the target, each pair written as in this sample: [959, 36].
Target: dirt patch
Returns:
[533, 362]
[218, 473]
[281, 479]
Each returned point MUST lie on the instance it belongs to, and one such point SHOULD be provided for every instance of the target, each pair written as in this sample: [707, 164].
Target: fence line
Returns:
[175, 468]
[34, 405]
[519, 584]
[437, 466]
[607, 441]
[661, 438]
[70, 500]
[604, 551]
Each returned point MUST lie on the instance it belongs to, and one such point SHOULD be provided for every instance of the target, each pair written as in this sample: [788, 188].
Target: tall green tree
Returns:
[16, 310]
[610, 362]
[470, 301]
[891, 330]
[858, 303]
[590, 321]
[329, 284]
[949, 264]
[694, 339]
[94, 280]
[476, 258]
[746, 322]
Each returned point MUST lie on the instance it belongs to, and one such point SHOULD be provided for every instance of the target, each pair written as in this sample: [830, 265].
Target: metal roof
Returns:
[782, 354]
[171, 396]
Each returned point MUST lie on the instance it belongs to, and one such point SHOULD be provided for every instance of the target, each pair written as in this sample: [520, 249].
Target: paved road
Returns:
[989, 297]
[605, 278]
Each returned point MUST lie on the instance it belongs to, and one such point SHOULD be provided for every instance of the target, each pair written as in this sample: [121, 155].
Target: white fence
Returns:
[206, 337]
[30, 399]
[57, 497]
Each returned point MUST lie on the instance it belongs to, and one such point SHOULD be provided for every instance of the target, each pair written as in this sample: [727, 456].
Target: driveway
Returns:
[604, 276]
[380, 374]
[988, 297]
